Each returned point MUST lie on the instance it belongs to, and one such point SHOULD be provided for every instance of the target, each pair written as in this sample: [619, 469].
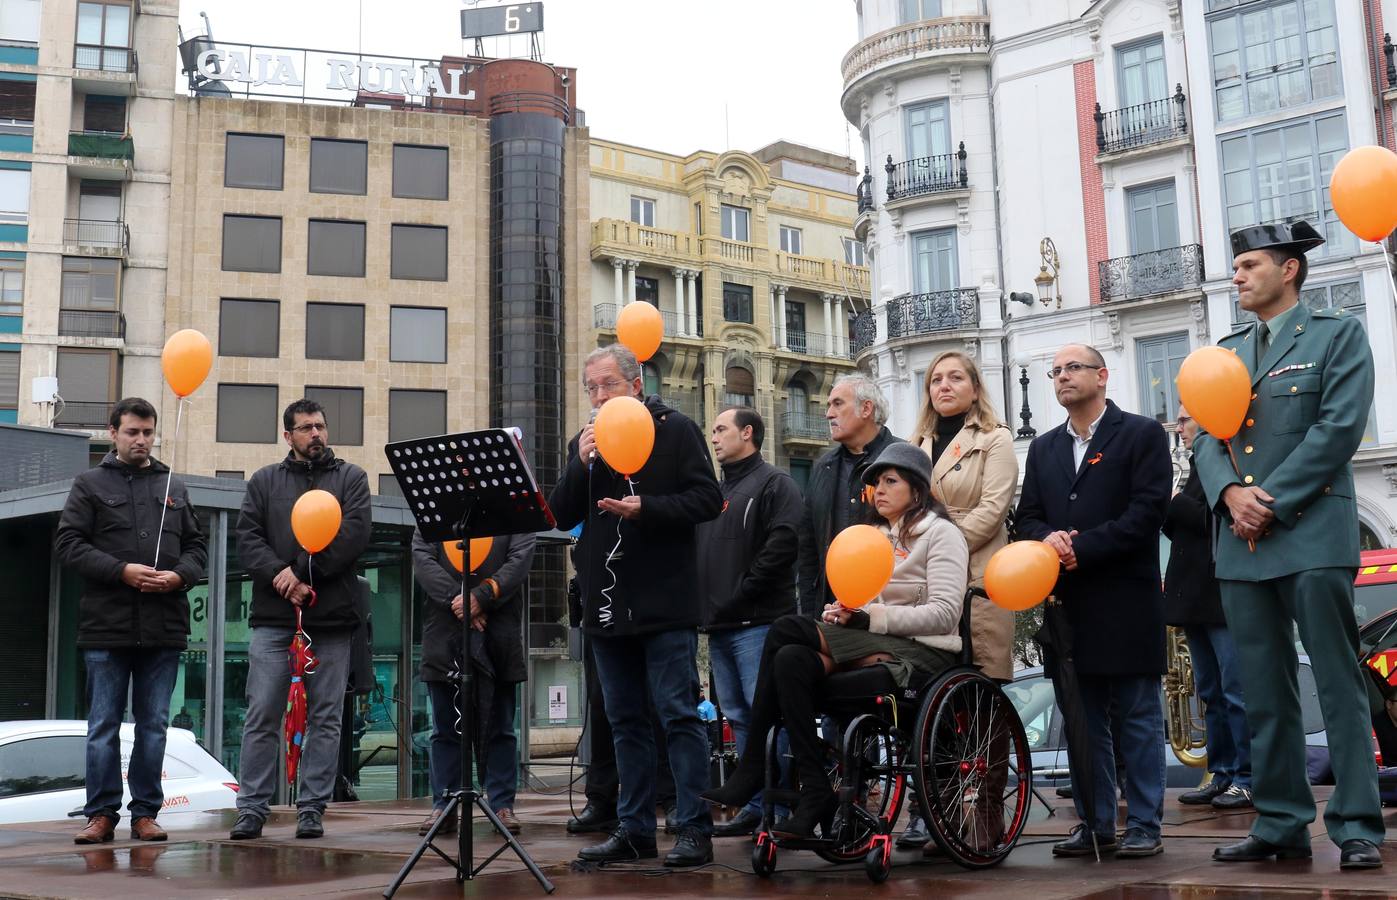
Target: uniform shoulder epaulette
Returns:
[1328, 314]
[1237, 331]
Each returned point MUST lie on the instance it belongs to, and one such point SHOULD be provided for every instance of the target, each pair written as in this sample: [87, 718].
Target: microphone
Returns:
[593, 456]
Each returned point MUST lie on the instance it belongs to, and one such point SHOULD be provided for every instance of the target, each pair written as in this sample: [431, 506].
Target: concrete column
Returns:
[785, 338]
[616, 265]
[829, 326]
[775, 317]
[693, 302]
[631, 266]
[682, 327]
[839, 341]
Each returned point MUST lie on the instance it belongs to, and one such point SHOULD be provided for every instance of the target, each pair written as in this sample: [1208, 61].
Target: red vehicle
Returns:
[1375, 606]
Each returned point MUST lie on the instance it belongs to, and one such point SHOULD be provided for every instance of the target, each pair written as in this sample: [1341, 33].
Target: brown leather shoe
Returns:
[427, 823]
[143, 828]
[506, 817]
[99, 830]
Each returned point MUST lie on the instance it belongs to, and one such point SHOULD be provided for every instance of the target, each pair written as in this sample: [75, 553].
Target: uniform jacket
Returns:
[1117, 503]
[508, 563]
[111, 518]
[266, 543]
[817, 524]
[976, 478]
[1191, 595]
[924, 596]
[747, 555]
[655, 566]
[1311, 392]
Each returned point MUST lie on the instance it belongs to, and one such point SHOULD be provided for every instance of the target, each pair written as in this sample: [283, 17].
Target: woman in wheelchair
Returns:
[912, 628]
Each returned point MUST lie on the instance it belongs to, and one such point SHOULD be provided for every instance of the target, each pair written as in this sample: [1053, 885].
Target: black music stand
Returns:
[460, 486]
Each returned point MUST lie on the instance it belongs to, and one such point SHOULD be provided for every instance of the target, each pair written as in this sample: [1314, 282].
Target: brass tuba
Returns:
[1188, 733]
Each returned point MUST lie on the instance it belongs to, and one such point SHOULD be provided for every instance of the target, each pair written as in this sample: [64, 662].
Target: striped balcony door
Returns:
[1141, 78]
[928, 140]
[934, 261]
[1154, 217]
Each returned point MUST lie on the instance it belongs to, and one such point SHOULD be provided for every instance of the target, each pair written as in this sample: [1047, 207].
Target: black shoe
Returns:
[620, 847]
[1064, 791]
[593, 818]
[1254, 849]
[692, 849]
[816, 807]
[248, 827]
[1233, 798]
[738, 790]
[740, 825]
[1136, 843]
[1079, 843]
[308, 824]
[1358, 853]
[915, 836]
[671, 820]
[1202, 796]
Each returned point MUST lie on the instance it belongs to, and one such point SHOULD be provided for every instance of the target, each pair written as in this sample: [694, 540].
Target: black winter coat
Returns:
[1116, 501]
[509, 561]
[747, 555]
[110, 519]
[1191, 595]
[266, 543]
[817, 524]
[656, 573]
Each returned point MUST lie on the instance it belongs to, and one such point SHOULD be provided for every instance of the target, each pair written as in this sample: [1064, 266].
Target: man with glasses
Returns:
[1095, 490]
[284, 577]
[638, 578]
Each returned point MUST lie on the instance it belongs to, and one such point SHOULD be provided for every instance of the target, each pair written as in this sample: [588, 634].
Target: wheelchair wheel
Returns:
[873, 765]
[878, 862]
[974, 773]
[764, 856]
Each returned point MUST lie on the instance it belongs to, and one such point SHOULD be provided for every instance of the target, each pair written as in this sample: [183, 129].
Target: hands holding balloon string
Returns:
[1251, 515]
[1060, 542]
[148, 580]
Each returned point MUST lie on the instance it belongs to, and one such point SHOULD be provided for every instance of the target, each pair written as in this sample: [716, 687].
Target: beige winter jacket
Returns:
[923, 598]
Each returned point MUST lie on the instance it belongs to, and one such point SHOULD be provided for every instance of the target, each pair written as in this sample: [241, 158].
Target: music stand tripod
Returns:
[461, 486]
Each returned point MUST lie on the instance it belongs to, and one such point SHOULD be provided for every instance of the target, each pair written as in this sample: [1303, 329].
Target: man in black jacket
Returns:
[285, 577]
[133, 619]
[747, 573]
[637, 570]
[494, 605]
[834, 497]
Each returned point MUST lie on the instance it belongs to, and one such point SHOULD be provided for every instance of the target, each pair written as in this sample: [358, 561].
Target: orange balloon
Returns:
[858, 565]
[1215, 388]
[315, 520]
[186, 360]
[640, 328]
[1364, 192]
[625, 433]
[480, 548]
[1021, 575]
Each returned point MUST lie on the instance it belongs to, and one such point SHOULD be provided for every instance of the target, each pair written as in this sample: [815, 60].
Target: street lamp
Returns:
[1027, 431]
[1047, 278]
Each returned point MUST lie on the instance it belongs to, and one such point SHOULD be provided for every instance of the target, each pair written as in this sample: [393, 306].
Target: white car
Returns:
[42, 765]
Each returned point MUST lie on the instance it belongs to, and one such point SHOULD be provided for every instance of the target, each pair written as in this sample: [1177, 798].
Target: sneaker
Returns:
[308, 824]
[1136, 843]
[1233, 798]
[248, 827]
[692, 849]
[1202, 796]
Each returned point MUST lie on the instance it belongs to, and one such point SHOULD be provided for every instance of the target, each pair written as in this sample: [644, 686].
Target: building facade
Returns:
[1050, 174]
[752, 263]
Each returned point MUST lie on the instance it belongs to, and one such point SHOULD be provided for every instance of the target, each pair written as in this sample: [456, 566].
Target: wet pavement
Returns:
[367, 843]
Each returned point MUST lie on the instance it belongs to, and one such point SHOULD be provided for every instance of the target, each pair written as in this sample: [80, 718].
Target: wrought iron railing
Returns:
[1142, 124]
[865, 191]
[604, 316]
[100, 58]
[927, 174]
[84, 414]
[97, 233]
[105, 323]
[937, 311]
[865, 332]
[804, 425]
[1151, 274]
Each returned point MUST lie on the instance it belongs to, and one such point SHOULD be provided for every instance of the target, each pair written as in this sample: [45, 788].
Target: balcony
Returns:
[733, 251]
[97, 323]
[100, 155]
[913, 314]
[84, 414]
[950, 37]
[611, 237]
[813, 343]
[927, 175]
[1142, 125]
[865, 332]
[604, 317]
[1151, 274]
[100, 58]
[805, 428]
[108, 238]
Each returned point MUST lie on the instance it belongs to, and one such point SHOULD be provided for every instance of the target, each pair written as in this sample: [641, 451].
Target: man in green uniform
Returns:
[1291, 493]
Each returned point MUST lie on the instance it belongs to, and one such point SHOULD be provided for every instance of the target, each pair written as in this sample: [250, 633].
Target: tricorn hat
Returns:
[1299, 236]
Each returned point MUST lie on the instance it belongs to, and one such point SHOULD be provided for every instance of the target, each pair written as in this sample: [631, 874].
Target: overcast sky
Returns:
[668, 74]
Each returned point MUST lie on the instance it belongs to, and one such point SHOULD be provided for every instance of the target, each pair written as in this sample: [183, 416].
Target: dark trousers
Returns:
[602, 783]
[500, 777]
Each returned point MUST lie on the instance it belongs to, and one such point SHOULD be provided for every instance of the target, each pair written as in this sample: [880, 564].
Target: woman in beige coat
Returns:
[974, 473]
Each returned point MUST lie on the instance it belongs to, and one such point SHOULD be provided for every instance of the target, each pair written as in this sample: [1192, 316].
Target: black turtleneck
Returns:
[947, 427]
[736, 470]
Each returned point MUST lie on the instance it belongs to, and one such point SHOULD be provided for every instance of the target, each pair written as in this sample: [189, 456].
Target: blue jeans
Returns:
[735, 656]
[1219, 681]
[500, 779]
[150, 674]
[666, 662]
[1130, 705]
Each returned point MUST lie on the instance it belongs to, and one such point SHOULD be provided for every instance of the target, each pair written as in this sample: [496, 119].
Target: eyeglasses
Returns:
[1184, 420]
[1071, 368]
[609, 387]
[311, 427]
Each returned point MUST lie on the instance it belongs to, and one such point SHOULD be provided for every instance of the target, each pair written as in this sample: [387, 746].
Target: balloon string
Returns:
[1251, 542]
[170, 473]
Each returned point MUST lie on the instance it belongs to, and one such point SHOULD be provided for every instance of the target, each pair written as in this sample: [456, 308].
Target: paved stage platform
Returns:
[366, 843]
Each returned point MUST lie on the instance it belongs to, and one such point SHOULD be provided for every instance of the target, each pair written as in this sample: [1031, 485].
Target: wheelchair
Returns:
[965, 753]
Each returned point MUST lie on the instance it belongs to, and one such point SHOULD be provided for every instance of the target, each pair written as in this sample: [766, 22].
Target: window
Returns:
[19, 21]
[249, 328]
[335, 248]
[87, 383]
[334, 331]
[643, 211]
[388, 486]
[101, 113]
[647, 289]
[44, 764]
[9, 379]
[419, 252]
[795, 326]
[800, 473]
[103, 37]
[17, 102]
[91, 284]
[338, 167]
[916, 10]
[1154, 217]
[853, 252]
[1281, 172]
[928, 133]
[698, 218]
[934, 261]
[797, 399]
[251, 244]
[11, 287]
[738, 386]
[14, 196]
[1272, 55]
[253, 161]
[1140, 74]
[344, 413]
[735, 223]
[737, 303]
[1159, 360]
[650, 378]
[417, 334]
[1338, 295]
[790, 240]
[414, 414]
[230, 474]
[247, 414]
[420, 173]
